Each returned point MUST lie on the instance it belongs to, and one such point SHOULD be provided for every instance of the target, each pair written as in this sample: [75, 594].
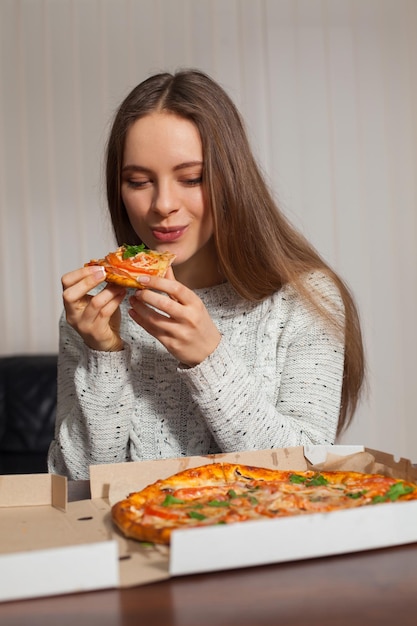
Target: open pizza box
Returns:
[50, 546]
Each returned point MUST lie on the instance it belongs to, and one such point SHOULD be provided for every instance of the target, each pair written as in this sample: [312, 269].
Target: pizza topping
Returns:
[396, 490]
[313, 481]
[170, 499]
[153, 510]
[143, 261]
[130, 251]
[196, 515]
[355, 494]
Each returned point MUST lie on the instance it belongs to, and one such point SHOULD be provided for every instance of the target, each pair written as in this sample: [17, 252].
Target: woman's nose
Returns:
[166, 199]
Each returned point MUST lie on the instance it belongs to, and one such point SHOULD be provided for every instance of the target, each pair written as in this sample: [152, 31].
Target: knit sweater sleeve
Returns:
[94, 407]
[236, 399]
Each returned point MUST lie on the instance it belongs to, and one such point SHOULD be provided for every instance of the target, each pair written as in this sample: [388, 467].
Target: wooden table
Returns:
[372, 588]
[378, 587]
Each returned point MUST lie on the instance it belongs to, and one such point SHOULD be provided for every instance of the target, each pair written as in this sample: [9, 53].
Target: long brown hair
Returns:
[258, 249]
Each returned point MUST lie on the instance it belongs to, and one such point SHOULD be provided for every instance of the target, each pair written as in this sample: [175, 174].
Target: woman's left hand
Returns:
[181, 322]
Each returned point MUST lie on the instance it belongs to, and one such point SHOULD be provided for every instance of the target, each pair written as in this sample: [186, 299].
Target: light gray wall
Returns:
[328, 89]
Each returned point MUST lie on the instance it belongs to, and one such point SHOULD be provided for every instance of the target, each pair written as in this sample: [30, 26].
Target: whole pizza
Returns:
[227, 493]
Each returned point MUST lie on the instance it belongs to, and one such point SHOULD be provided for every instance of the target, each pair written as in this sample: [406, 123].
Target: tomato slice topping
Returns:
[114, 260]
[165, 512]
[208, 492]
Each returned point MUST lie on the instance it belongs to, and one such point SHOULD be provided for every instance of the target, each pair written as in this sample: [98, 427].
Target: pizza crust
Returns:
[123, 281]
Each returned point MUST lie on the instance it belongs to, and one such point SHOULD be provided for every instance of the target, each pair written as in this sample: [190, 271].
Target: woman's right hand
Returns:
[95, 318]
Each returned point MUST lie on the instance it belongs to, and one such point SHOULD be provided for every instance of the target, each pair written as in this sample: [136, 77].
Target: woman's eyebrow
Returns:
[183, 166]
[134, 168]
[180, 166]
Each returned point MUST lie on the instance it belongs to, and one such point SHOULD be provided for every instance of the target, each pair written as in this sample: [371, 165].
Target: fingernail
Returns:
[143, 279]
[98, 271]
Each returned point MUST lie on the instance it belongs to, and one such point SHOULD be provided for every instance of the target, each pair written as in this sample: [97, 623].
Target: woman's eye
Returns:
[193, 181]
[137, 184]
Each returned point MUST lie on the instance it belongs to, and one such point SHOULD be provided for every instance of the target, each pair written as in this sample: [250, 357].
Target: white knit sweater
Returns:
[273, 381]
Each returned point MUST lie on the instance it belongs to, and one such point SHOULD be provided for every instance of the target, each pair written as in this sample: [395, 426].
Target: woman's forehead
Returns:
[163, 136]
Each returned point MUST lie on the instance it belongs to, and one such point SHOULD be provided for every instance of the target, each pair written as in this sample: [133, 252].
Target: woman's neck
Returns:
[202, 270]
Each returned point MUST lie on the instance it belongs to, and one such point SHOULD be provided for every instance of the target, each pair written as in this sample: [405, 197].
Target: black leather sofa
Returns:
[27, 412]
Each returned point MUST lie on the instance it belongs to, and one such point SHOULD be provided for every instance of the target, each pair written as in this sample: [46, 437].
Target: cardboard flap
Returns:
[401, 467]
[33, 490]
[319, 454]
[116, 481]
[359, 459]
[134, 476]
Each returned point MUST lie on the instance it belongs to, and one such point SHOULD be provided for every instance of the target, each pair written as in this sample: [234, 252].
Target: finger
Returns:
[174, 289]
[154, 322]
[147, 300]
[170, 273]
[105, 303]
[107, 294]
[90, 307]
[85, 311]
[78, 283]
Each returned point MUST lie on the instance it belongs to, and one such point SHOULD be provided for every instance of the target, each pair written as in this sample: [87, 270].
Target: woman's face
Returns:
[162, 191]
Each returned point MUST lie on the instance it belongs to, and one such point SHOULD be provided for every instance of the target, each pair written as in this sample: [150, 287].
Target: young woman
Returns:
[251, 341]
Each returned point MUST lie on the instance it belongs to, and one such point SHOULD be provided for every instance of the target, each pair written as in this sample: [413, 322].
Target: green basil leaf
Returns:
[130, 251]
[317, 480]
[297, 479]
[314, 481]
[356, 494]
[196, 515]
[218, 503]
[396, 491]
[170, 499]
[377, 499]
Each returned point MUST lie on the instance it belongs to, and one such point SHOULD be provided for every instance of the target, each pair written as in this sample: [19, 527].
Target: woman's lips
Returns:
[168, 234]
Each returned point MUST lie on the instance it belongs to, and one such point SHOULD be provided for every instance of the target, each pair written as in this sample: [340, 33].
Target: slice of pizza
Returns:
[128, 262]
